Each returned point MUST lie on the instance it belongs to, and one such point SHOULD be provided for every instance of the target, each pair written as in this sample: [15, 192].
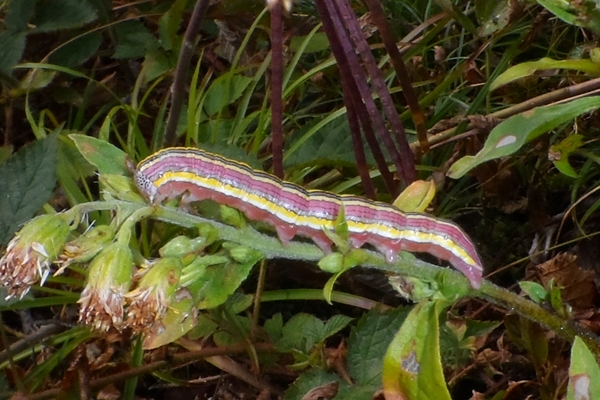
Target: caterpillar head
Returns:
[145, 186]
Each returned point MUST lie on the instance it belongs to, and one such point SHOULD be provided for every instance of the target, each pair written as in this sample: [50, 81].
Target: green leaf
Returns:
[584, 373]
[534, 290]
[169, 23]
[220, 281]
[579, 13]
[27, 180]
[133, 40]
[412, 366]
[334, 325]
[512, 134]
[156, 63]
[18, 15]
[274, 327]
[331, 143]
[224, 91]
[36, 79]
[559, 154]
[5, 153]
[77, 51]
[318, 42]
[530, 68]
[179, 320]
[103, 155]
[494, 16]
[295, 333]
[309, 381]
[416, 197]
[52, 15]
[368, 343]
[12, 45]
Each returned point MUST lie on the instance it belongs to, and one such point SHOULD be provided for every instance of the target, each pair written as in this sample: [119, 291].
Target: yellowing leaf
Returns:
[416, 197]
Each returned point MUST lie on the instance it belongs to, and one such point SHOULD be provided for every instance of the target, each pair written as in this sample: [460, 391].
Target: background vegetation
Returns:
[85, 83]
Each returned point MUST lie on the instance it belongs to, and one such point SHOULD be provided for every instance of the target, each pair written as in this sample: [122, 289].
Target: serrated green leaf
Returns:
[296, 333]
[220, 281]
[309, 381]
[274, 327]
[509, 136]
[156, 63]
[225, 90]
[412, 366]
[584, 373]
[169, 23]
[133, 40]
[331, 143]
[5, 153]
[27, 180]
[103, 155]
[368, 343]
[52, 15]
[335, 324]
[205, 327]
[18, 15]
[12, 45]
[77, 51]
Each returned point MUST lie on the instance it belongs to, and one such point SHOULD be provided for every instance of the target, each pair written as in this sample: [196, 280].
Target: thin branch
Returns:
[277, 87]
[181, 71]
[401, 73]
[378, 82]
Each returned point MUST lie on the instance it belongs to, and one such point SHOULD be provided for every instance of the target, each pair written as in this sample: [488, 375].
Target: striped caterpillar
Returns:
[293, 210]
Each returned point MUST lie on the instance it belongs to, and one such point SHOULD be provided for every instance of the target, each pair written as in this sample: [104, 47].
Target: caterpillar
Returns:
[293, 210]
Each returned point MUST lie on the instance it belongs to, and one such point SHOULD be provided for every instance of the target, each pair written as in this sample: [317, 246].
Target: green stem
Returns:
[271, 247]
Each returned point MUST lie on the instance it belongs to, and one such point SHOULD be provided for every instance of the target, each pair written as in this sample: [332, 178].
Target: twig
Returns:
[181, 71]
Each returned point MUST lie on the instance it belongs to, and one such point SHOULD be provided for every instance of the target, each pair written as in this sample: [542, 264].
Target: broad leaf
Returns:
[52, 15]
[368, 343]
[220, 281]
[412, 367]
[509, 136]
[416, 197]
[584, 373]
[133, 40]
[103, 155]
[27, 180]
[224, 91]
[12, 45]
[530, 68]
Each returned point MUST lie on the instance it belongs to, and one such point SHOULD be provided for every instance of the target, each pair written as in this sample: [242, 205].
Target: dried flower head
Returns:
[108, 280]
[149, 301]
[85, 247]
[31, 252]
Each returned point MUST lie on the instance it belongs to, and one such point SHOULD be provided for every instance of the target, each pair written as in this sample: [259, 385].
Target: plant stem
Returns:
[181, 72]
[271, 248]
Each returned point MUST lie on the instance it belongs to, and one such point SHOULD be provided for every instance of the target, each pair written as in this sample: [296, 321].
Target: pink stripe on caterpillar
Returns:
[293, 210]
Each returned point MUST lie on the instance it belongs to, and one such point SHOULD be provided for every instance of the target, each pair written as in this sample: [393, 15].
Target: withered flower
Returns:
[85, 247]
[149, 301]
[108, 280]
[29, 254]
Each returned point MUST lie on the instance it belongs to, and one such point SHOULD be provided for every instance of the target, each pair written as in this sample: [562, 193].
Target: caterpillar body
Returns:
[293, 210]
